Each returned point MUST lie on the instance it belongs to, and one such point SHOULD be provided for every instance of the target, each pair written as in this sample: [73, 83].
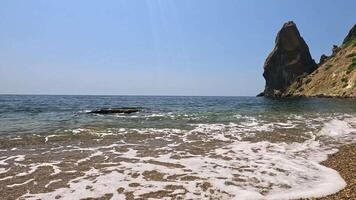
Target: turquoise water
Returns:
[52, 147]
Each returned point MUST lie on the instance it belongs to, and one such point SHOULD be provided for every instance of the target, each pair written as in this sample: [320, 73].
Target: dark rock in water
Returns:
[261, 94]
[323, 58]
[289, 59]
[351, 35]
[115, 110]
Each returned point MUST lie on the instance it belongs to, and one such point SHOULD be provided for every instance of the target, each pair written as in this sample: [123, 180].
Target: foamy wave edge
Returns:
[330, 181]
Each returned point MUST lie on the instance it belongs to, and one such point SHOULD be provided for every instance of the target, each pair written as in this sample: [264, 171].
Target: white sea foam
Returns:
[101, 133]
[337, 128]
[237, 170]
[33, 168]
[50, 136]
[6, 178]
[98, 153]
[3, 170]
[52, 181]
[19, 184]
[19, 158]
[102, 184]
[16, 158]
[329, 183]
[269, 164]
[78, 130]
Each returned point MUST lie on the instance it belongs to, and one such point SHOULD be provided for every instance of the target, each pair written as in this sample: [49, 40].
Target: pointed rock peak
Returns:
[351, 35]
[288, 24]
[289, 59]
[289, 37]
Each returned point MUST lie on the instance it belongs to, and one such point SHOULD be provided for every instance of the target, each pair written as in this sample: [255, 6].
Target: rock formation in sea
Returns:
[335, 75]
[289, 59]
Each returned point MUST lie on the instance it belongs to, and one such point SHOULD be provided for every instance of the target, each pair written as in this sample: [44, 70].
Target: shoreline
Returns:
[344, 163]
[320, 96]
[341, 161]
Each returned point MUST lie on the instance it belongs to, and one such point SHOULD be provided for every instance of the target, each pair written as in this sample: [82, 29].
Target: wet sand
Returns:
[207, 162]
[344, 161]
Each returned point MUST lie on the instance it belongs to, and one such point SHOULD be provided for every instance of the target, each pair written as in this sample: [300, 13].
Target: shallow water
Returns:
[175, 148]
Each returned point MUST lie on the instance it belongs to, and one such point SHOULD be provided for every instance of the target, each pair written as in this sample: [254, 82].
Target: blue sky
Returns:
[161, 47]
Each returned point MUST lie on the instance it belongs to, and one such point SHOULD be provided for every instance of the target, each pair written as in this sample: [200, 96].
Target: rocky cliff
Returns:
[289, 60]
[289, 70]
[335, 76]
[351, 36]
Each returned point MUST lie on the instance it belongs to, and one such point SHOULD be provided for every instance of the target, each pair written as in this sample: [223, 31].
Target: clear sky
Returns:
[162, 47]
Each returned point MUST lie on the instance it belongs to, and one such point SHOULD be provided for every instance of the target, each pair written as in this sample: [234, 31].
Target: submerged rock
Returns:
[289, 59]
[115, 110]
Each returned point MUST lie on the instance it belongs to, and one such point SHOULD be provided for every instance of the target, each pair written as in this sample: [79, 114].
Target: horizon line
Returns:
[157, 95]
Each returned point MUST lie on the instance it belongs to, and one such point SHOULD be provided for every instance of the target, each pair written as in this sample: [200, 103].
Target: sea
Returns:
[175, 147]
